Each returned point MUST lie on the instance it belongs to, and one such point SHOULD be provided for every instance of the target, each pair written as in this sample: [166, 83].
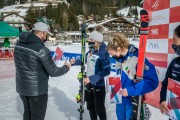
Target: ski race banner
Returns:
[173, 99]
[59, 54]
[164, 19]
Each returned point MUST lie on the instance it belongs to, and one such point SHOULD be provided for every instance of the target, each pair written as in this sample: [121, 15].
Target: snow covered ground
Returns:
[61, 103]
[62, 90]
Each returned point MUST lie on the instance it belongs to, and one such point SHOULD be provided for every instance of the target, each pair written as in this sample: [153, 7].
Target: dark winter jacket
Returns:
[34, 64]
[98, 65]
[173, 72]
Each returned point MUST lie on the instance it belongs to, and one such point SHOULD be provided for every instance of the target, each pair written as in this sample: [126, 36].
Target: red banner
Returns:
[165, 17]
[174, 16]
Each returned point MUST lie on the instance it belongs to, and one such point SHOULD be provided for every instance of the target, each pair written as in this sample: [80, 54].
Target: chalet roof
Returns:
[110, 23]
[13, 13]
[114, 22]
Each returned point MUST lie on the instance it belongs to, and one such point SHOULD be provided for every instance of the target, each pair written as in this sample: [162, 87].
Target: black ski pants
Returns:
[34, 107]
[95, 99]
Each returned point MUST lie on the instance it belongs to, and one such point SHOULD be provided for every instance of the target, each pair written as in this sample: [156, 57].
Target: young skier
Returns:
[98, 66]
[126, 56]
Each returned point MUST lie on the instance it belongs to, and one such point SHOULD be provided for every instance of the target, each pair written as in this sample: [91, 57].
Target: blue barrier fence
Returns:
[67, 56]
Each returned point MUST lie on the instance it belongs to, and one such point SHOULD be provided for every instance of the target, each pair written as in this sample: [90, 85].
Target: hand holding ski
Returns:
[86, 80]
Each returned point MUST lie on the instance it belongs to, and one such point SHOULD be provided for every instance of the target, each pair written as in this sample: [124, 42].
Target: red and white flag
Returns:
[57, 54]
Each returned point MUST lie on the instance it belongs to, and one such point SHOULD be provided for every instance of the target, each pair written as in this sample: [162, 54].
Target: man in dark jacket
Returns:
[33, 66]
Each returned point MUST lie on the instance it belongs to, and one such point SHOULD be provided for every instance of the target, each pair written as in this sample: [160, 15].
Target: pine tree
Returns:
[85, 8]
[54, 13]
[123, 3]
[73, 22]
[59, 14]
[10, 2]
[97, 8]
[42, 12]
[74, 8]
[131, 2]
[31, 16]
[64, 7]
[49, 10]
[23, 1]
[1, 5]
[65, 21]
[38, 13]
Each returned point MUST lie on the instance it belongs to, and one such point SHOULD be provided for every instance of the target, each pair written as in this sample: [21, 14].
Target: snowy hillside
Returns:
[124, 12]
[20, 8]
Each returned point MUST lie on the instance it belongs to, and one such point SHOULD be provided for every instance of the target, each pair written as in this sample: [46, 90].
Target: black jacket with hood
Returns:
[34, 64]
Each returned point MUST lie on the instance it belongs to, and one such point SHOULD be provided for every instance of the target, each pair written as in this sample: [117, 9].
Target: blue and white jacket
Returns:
[128, 75]
[98, 65]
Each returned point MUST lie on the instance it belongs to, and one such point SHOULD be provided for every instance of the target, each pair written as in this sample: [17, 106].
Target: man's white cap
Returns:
[96, 36]
[40, 26]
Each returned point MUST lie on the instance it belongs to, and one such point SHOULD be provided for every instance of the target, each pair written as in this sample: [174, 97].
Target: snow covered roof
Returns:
[12, 14]
[91, 25]
[20, 8]
[125, 11]
[107, 21]
[130, 21]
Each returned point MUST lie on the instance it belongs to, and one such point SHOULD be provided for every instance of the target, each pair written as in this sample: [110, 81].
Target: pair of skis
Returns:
[81, 96]
[139, 112]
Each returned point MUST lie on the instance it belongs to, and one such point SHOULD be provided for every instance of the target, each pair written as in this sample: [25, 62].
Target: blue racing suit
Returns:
[126, 68]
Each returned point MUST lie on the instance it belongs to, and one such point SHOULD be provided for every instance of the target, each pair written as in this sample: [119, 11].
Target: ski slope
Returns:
[62, 91]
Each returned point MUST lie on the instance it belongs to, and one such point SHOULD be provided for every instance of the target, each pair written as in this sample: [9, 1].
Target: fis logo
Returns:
[154, 31]
[156, 4]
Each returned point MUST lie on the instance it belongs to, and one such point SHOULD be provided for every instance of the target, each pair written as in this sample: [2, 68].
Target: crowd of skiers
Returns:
[34, 65]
